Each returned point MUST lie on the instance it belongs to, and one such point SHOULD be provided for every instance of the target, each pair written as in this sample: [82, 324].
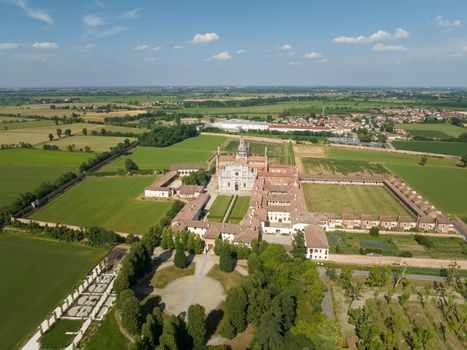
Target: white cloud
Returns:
[132, 14]
[447, 24]
[141, 47]
[45, 45]
[149, 59]
[8, 46]
[389, 48]
[461, 53]
[178, 47]
[205, 38]
[157, 48]
[377, 36]
[33, 13]
[294, 63]
[285, 47]
[315, 56]
[240, 51]
[108, 32]
[221, 56]
[93, 21]
[90, 46]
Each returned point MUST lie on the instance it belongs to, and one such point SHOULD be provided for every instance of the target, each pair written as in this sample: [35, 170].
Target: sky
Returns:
[416, 43]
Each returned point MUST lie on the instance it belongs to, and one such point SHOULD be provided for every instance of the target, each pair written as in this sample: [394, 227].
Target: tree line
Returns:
[163, 136]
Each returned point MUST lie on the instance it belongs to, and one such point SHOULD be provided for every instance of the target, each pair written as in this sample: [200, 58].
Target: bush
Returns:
[374, 231]
[225, 260]
[180, 258]
[424, 241]
[406, 254]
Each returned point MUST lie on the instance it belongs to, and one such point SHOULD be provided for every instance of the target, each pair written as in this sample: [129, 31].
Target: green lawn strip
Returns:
[96, 143]
[239, 209]
[342, 166]
[109, 202]
[107, 335]
[451, 148]
[166, 275]
[57, 338]
[219, 207]
[227, 279]
[37, 275]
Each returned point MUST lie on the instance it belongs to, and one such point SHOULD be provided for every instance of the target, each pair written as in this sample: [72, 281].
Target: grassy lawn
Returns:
[193, 150]
[351, 199]
[277, 152]
[227, 279]
[443, 247]
[239, 209]
[96, 143]
[107, 335]
[219, 208]
[168, 274]
[56, 337]
[23, 170]
[333, 166]
[433, 130]
[36, 276]
[452, 148]
[109, 202]
[440, 181]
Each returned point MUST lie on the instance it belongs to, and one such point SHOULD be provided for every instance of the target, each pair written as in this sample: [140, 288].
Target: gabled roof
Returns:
[315, 237]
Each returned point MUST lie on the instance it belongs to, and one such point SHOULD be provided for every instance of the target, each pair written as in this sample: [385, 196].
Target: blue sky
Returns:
[313, 43]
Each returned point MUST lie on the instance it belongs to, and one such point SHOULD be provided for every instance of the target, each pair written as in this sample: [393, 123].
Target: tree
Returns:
[288, 307]
[196, 326]
[331, 273]
[130, 313]
[259, 301]
[84, 131]
[87, 149]
[464, 161]
[226, 329]
[59, 132]
[236, 303]
[130, 166]
[378, 276]
[374, 231]
[180, 258]
[298, 246]
[225, 260]
[51, 137]
[269, 330]
[147, 332]
[254, 263]
[423, 160]
[419, 337]
[355, 292]
[67, 132]
[167, 340]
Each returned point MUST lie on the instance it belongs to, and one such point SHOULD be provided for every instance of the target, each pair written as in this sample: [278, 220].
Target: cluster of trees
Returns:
[170, 214]
[104, 132]
[94, 235]
[15, 145]
[187, 241]
[200, 177]
[239, 251]
[24, 200]
[120, 149]
[163, 136]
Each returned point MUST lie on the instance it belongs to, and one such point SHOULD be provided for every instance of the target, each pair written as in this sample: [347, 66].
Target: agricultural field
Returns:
[193, 150]
[100, 116]
[437, 130]
[351, 199]
[239, 209]
[451, 148]
[219, 208]
[443, 247]
[49, 271]
[110, 202]
[318, 166]
[277, 152]
[440, 181]
[26, 111]
[95, 143]
[23, 170]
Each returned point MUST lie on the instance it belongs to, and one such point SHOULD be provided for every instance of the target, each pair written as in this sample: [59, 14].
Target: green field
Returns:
[57, 337]
[107, 335]
[332, 166]
[109, 202]
[433, 130]
[351, 199]
[277, 152]
[36, 276]
[440, 181]
[96, 143]
[219, 208]
[23, 170]
[452, 148]
[193, 150]
[46, 112]
[443, 247]
[239, 210]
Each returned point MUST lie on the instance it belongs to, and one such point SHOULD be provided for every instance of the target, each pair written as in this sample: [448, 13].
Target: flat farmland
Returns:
[351, 199]
[436, 130]
[109, 202]
[97, 116]
[239, 209]
[193, 150]
[46, 112]
[452, 148]
[440, 181]
[23, 170]
[36, 276]
[96, 143]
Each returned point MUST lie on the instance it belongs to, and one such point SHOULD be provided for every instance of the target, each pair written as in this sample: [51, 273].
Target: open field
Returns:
[109, 202]
[96, 143]
[319, 166]
[46, 112]
[440, 181]
[57, 338]
[219, 208]
[277, 152]
[351, 199]
[95, 116]
[28, 124]
[193, 150]
[23, 170]
[443, 247]
[436, 130]
[452, 148]
[239, 210]
[36, 275]
[107, 336]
